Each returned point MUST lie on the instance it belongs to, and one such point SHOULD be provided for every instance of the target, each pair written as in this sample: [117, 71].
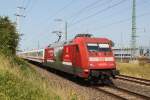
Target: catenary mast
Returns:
[133, 36]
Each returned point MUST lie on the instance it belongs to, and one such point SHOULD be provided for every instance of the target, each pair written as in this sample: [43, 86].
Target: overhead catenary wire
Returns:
[98, 12]
[123, 20]
[25, 4]
[49, 18]
[30, 8]
[125, 9]
[60, 10]
[83, 11]
[84, 8]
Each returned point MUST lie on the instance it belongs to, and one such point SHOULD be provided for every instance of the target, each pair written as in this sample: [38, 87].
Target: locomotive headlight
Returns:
[91, 65]
[86, 70]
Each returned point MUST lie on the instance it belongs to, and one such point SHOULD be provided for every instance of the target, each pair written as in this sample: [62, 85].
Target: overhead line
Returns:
[94, 7]
[120, 21]
[61, 9]
[25, 4]
[31, 7]
[123, 20]
[86, 7]
[65, 6]
[98, 12]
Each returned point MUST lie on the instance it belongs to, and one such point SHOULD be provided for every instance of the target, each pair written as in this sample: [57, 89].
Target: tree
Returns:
[9, 37]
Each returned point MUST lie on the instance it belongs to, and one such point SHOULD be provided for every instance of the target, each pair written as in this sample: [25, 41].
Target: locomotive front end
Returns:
[101, 60]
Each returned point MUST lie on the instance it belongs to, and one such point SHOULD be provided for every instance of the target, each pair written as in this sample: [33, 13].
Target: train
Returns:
[84, 56]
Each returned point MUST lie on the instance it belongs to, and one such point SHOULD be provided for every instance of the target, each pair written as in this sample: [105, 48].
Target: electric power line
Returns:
[84, 8]
[58, 11]
[123, 20]
[30, 8]
[61, 9]
[98, 12]
[120, 21]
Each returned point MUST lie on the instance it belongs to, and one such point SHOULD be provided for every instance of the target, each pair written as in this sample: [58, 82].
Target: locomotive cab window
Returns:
[104, 48]
[92, 47]
[98, 47]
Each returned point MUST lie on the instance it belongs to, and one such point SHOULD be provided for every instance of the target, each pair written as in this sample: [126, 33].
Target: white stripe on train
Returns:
[67, 63]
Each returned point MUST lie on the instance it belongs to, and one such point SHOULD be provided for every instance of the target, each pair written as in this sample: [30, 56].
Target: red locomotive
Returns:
[86, 57]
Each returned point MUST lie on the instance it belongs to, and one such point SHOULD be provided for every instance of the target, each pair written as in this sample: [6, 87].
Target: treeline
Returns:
[9, 37]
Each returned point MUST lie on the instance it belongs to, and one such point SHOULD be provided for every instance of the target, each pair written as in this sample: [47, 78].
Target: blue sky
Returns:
[101, 19]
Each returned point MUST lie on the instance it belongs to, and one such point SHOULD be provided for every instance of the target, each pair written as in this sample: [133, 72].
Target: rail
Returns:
[134, 79]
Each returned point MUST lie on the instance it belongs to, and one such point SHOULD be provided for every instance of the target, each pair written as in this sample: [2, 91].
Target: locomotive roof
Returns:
[78, 40]
[91, 39]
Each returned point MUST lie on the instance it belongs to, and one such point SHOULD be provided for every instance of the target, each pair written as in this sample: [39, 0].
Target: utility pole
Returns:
[133, 36]
[38, 45]
[66, 29]
[122, 49]
[18, 16]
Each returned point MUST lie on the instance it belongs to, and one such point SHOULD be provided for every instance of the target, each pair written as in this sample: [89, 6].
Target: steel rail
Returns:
[131, 92]
[109, 93]
[121, 90]
[134, 79]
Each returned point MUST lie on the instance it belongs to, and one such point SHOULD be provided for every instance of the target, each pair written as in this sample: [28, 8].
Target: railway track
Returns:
[121, 93]
[134, 79]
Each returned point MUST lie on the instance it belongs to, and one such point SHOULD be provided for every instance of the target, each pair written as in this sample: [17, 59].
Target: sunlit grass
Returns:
[20, 82]
[136, 70]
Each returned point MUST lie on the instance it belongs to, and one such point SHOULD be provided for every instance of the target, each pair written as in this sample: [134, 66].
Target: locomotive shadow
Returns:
[72, 78]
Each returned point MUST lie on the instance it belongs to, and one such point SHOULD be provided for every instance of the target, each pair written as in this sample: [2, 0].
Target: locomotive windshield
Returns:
[98, 47]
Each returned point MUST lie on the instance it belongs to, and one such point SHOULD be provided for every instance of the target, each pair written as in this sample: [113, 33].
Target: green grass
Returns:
[18, 81]
[136, 70]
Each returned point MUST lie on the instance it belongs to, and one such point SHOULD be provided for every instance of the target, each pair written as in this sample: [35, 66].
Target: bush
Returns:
[9, 37]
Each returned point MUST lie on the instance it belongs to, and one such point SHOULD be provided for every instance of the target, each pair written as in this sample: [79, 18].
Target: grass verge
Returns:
[20, 82]
[135, 70]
